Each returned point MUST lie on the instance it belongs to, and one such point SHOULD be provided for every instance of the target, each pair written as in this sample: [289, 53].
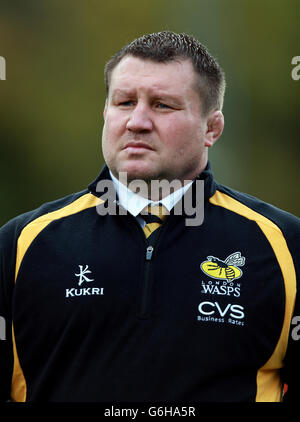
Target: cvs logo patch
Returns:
[214, 308]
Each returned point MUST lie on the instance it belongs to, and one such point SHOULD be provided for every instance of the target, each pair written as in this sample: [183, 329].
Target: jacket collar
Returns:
[98, 189]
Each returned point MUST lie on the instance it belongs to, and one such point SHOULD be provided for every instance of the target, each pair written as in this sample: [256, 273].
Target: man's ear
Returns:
[215, 125]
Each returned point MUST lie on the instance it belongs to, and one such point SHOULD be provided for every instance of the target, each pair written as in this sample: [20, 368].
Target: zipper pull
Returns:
[149, 252]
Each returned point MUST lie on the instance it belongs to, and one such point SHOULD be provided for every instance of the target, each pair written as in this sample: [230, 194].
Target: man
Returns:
[108, 302]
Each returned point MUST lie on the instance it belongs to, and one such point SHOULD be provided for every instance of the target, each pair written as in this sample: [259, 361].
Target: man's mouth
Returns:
[135, 146]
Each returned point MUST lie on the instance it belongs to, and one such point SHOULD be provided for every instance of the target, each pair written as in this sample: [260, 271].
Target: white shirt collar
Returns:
[134, 203]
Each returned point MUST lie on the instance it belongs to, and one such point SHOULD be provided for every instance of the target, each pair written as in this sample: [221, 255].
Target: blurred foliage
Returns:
[52, 100]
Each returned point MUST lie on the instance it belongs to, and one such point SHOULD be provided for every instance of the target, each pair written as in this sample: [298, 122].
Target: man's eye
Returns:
[162, 105]
[126, 103]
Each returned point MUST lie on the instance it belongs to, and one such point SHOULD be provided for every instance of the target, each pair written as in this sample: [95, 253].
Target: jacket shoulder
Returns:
[287, 223]
[14, 226]
[283, 219]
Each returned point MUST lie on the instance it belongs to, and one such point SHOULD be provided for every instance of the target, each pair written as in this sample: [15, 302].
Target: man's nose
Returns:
[139, 119]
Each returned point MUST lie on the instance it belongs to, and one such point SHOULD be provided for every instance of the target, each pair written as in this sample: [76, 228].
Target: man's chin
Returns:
[131, 173]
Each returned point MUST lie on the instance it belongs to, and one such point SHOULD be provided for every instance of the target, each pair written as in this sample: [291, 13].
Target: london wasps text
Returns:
[221, 288]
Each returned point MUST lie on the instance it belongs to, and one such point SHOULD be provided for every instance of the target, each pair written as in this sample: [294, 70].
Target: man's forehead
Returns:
[132, 70]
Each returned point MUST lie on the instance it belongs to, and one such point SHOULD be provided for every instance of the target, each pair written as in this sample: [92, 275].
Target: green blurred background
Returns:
[52, 99]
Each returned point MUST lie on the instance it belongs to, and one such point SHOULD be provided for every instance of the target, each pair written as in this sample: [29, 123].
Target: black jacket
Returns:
[207, 318]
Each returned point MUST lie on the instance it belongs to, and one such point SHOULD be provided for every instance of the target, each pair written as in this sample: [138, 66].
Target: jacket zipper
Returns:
[143, 310]
[149, 252]
[145, 290]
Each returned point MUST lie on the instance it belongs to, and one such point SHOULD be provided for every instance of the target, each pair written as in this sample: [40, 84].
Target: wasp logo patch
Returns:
[224, 270]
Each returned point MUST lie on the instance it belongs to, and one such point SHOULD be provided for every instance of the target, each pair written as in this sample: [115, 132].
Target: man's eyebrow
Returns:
[155, 95]
[166, 96]
[122, 91]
